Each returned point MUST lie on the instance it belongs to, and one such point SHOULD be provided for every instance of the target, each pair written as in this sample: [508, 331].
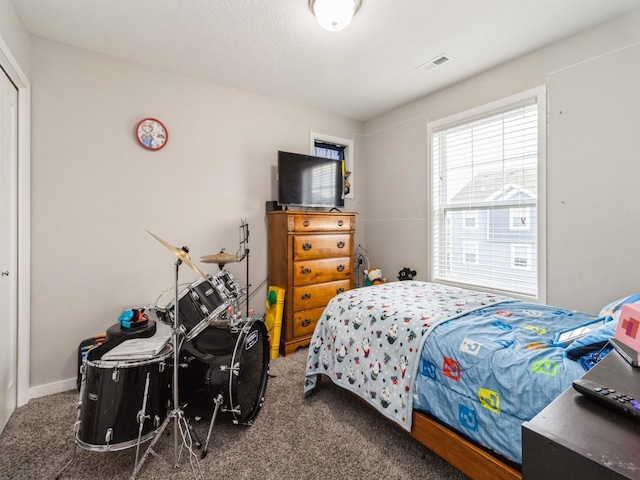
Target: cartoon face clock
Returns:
[152, 134]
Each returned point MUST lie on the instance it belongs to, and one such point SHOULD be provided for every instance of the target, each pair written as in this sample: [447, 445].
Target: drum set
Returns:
[204, 358]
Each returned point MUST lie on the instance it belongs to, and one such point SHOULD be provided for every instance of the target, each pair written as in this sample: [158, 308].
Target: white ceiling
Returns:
[276, 48]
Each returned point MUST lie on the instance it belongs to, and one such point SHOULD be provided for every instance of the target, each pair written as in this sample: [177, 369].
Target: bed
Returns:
[460, 370]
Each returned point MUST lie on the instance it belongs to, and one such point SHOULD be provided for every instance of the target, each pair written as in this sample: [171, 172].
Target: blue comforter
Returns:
[480, 363]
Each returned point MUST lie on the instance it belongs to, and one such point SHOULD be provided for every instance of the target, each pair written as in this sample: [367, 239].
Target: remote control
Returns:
[608, 396]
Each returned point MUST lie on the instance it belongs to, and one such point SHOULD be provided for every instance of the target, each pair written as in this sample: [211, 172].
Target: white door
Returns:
[8, 247]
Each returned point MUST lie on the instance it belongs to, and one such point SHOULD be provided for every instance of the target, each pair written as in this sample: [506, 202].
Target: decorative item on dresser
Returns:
[311, 257]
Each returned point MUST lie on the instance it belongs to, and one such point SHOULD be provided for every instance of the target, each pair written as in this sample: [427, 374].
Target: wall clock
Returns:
[152, 134]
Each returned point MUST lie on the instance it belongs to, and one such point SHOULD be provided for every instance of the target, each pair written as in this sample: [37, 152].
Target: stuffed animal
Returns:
[373, 276]
[406, 274]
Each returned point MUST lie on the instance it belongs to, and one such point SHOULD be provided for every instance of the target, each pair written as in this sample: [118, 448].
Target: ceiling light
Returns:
[334, 15]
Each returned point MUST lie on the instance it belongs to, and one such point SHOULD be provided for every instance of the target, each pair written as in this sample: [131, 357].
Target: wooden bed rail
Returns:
[466, 456]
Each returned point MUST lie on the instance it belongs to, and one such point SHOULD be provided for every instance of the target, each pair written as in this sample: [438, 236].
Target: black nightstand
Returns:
[578, 438]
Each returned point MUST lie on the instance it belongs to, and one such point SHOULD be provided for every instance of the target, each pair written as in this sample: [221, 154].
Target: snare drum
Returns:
[117, 396]
[231, 286]
[198, 304]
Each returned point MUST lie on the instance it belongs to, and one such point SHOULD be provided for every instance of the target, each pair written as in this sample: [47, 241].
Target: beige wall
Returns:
[396, 146]
[95, 190]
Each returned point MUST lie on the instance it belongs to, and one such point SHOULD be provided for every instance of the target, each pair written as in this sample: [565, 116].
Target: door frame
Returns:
[11, 67]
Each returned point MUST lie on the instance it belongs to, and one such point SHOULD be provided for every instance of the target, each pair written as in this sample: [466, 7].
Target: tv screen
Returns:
[308, 181]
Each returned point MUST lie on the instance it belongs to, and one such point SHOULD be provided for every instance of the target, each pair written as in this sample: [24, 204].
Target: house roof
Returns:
[497, 186]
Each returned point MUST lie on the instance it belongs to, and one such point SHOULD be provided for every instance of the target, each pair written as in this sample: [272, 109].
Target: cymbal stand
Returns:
[180, 425]
[244, 241]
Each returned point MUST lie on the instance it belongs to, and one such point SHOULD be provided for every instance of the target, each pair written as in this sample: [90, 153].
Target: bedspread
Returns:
[486, 373]
[368, 340]
[480, 363]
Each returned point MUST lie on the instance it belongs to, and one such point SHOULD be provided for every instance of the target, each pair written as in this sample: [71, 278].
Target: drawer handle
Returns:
[306, 247]
[340, 268]
[340, 244]
[306, 223]
[306, 296]
[339, 290]
[305, 271]
[306, 322]
[340, 223]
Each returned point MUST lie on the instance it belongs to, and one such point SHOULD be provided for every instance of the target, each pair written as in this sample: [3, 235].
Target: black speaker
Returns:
[272, 205]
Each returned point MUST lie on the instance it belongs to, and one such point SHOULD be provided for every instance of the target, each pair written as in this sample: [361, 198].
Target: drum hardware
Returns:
[180, 423]
[217, 402]
[141, 417]
[222, 258]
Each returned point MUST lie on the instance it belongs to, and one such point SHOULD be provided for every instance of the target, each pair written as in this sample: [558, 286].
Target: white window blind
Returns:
[487, 168]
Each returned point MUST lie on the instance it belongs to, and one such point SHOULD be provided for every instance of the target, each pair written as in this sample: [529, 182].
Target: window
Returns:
[470, 253]
[521, 256]
[519, 218]
[484, 204]
[327, 146]
[469, 219]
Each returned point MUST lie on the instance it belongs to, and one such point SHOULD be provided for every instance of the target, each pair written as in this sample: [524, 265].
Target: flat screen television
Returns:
[308, 181]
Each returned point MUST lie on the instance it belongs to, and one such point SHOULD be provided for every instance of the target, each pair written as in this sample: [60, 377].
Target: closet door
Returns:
[8, 247]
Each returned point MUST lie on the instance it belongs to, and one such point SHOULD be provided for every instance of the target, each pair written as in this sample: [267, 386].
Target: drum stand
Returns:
[180, 425]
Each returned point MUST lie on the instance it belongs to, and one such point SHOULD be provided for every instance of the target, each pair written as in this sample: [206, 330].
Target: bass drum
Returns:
[229, 360]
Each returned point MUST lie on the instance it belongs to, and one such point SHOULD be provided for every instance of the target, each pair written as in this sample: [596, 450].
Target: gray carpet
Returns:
[329, 435]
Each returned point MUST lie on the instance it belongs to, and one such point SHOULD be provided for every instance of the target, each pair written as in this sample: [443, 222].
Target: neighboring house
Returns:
[492, 220]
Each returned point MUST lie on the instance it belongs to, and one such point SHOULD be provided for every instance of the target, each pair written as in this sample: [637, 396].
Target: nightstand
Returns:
[578, 438]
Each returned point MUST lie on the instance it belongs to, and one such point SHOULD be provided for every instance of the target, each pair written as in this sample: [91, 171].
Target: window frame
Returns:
[540, 94]
[348, 153]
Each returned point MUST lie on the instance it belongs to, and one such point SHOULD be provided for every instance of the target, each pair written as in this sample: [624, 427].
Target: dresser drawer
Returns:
[305, 322]
[307, 272]
[314, 296]
[322, 223]
[307, 247]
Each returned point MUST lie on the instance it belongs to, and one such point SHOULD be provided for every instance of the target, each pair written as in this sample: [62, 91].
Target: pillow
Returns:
[613, 309]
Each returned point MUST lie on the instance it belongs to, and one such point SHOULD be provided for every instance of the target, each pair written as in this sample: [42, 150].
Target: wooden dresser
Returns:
[310, 255]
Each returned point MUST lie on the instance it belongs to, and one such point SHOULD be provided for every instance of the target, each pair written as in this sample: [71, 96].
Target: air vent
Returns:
[434, 62]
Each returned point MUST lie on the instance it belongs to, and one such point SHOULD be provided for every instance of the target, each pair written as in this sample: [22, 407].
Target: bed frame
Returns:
[464, 455]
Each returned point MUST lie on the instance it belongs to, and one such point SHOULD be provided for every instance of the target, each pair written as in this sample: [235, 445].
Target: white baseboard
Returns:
[51, 388]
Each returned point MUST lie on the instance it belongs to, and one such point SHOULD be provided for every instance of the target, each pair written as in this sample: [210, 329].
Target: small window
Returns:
[470, 253]
[470, 219]
[327, 146]
[519, 218]
[521, 256]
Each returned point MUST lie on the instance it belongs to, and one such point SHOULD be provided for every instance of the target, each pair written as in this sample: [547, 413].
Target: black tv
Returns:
[309, 181]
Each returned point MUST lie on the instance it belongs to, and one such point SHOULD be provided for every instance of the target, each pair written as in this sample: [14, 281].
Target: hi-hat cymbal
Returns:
[182, 254]
[221, 258]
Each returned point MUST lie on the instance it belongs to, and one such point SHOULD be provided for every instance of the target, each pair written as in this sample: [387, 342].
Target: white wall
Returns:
[396, 153]
[14, 35]
[95, 190]
[593, 226]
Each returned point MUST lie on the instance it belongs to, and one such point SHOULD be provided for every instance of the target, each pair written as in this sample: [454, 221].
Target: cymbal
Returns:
[180, 253]
[221, 258]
